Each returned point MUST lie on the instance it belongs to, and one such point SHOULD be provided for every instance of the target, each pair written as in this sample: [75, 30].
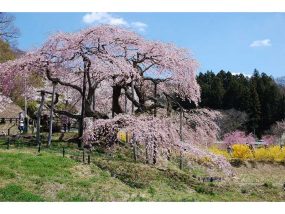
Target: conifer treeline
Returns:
[258, 95]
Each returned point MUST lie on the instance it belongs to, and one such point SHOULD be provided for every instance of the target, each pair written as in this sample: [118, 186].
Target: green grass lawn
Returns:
[26, 175]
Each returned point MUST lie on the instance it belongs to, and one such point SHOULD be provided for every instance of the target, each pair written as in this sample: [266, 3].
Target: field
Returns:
[26, 175]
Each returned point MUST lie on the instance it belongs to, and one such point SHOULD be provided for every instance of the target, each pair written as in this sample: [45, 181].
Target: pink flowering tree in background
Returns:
[269, 139]
[278, 129]
[238, 137]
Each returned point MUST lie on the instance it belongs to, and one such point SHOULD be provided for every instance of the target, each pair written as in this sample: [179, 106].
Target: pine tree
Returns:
[254, 110]
[217, 93]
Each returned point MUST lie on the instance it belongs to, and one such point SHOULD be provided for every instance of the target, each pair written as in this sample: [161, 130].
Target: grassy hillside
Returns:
[26, 175]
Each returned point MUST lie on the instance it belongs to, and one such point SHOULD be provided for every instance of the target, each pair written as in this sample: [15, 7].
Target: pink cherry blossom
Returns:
[157, 135]
[4, 101]
[269, 139]
[238, 137]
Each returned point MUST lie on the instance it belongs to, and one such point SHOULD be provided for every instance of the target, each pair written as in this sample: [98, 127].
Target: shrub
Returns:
[273, 153]
[242, 152]
[218, 151]
[261, 154]
[276, 153]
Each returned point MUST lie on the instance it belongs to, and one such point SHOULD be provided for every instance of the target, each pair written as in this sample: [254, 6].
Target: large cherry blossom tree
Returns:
[107, 68]
[79, 63]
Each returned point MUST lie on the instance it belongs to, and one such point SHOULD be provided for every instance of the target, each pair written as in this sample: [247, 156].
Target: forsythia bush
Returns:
[261, 154]
[242, 151]
[273, 153]
[222, 152]
[278, 153]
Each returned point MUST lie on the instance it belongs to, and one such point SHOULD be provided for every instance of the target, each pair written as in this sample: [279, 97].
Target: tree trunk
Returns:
[51, 114]
[81, 122]
[133, 97]
[126, 102]
[180, 128]
[181, 138]
[39, 119]
[169, 107]
[116, 108]
[155, 97]
[146, 155]
[154, 158]
[93, 102]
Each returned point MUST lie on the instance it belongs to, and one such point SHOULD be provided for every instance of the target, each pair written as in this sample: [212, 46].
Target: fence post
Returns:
[89, 158]
[83, 156]
[181, 138]
[146, 155]
[134, 144]
[63, 151]
[135, 151]
[8, 143]
[181, 161]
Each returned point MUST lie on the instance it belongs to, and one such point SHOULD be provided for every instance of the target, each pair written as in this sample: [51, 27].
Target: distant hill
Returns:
[8, 52]
[18, 52]
[280, 80]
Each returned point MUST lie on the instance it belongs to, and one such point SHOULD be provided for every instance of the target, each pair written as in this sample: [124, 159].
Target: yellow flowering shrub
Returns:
[242, 152]
[273, 153]
[261, 154]
[218, 151]
[277, 153]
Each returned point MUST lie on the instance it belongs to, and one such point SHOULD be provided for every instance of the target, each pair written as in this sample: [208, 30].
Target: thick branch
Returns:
[57, 80]
[66, 113]
[129, 96]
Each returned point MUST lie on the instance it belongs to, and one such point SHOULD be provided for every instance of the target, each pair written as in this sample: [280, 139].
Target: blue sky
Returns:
[238, 42]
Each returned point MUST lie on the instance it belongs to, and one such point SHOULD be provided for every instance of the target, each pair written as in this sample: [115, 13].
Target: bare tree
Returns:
[8, 32]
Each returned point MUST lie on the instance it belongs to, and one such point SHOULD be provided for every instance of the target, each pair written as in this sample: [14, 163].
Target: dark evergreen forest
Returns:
[259, 96]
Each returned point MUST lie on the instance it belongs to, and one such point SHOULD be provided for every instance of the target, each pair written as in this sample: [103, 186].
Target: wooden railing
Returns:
[9, 120]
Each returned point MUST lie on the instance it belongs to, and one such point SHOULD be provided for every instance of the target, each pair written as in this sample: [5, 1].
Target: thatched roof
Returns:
[11, 111]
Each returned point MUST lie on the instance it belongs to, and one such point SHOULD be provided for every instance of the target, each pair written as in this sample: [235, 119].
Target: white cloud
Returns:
[103, 18]
[261, 43]
[107, 18]
[139, 26]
